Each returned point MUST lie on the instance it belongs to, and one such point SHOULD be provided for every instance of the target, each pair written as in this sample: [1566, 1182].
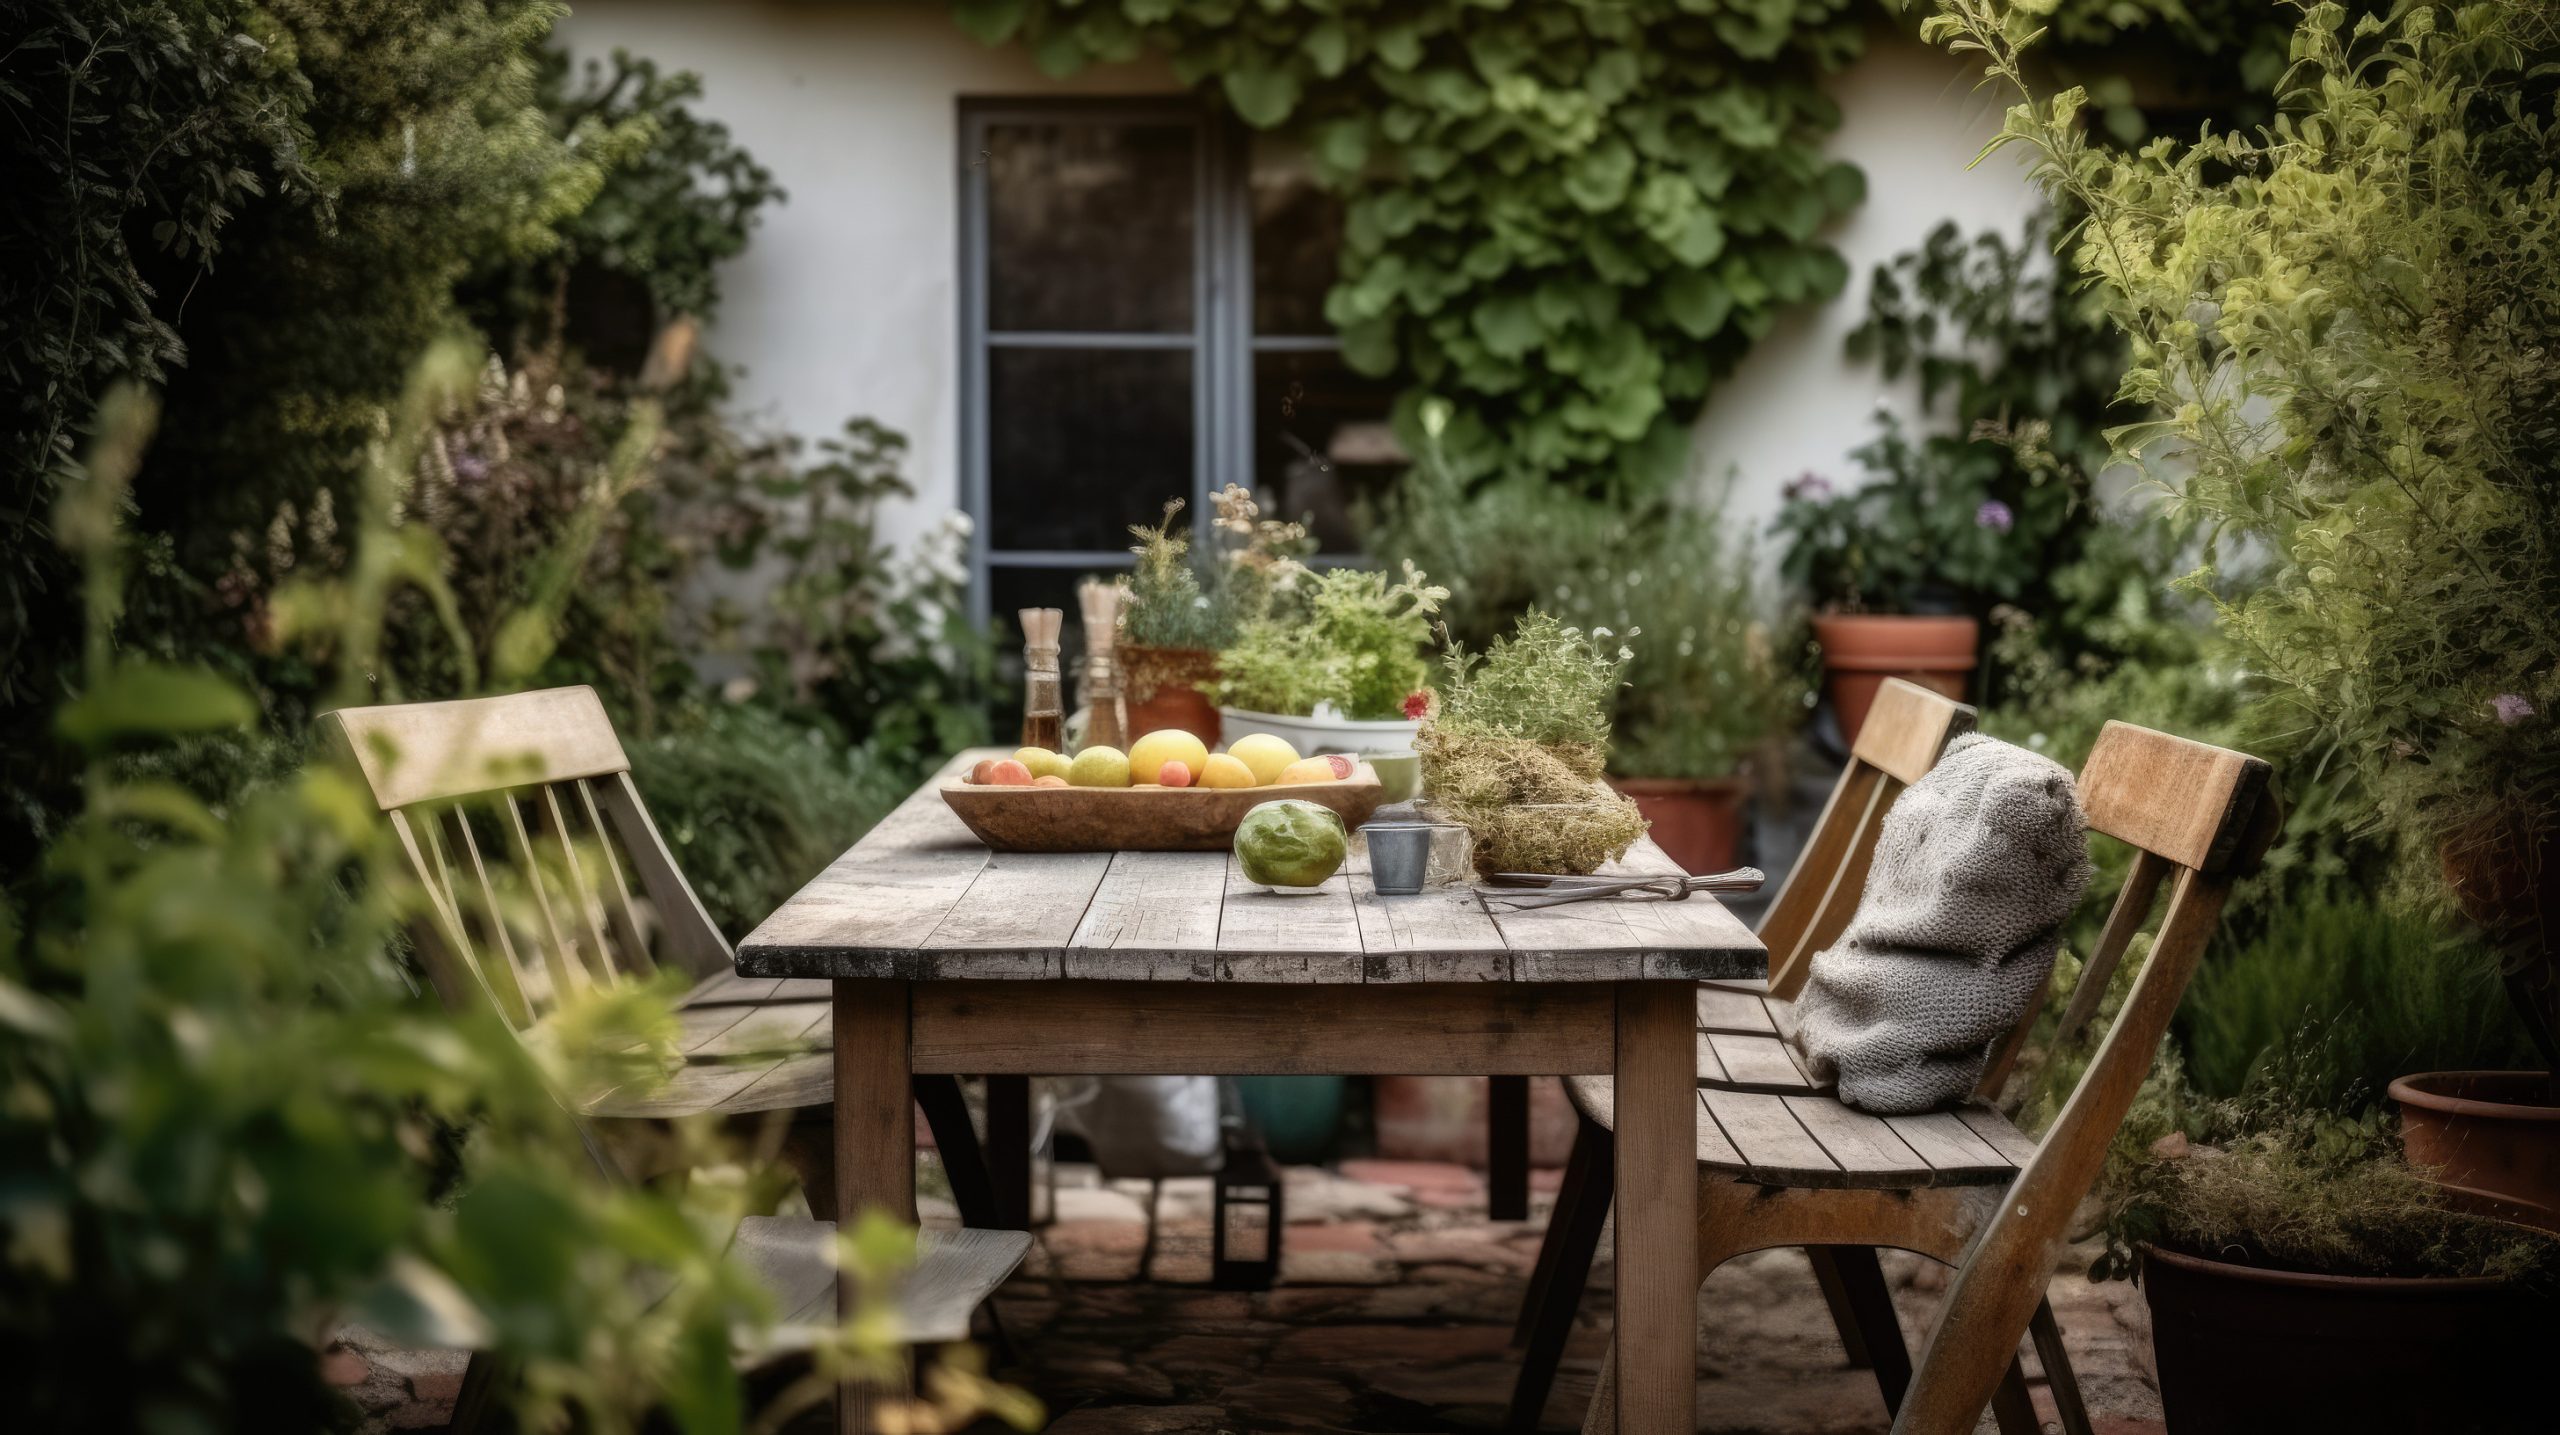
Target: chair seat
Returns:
[749, 1043]
[794, 1260]
[1743, 1041]
[1812, 1140]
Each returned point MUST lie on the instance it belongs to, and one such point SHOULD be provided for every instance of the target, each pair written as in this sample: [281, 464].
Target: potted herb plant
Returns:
[1181, 611]
[1334, 662]
[1704, 691]
[1900, 568]
[2376, 439]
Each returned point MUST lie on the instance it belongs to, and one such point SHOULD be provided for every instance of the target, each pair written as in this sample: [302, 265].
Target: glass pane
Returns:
[1297, 232]
[1321, 446]
[1082, 443]
[1089, 227]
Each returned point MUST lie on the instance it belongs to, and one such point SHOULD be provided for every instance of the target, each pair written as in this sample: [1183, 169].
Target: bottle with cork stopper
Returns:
[1044, 715]
[1106, 722]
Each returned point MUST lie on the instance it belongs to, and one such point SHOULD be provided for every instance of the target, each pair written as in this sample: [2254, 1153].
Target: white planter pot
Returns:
[1313, 735]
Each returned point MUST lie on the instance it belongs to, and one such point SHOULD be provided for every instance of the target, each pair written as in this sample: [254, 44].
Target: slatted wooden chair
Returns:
[1966, 1187]
[458, 782]
[1738, 1027]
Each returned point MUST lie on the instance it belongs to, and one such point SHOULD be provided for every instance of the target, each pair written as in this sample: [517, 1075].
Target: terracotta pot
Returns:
[2246, 1351]
[2492, 1137]
[1696, 820]
[1861, 650]
[1170, 680]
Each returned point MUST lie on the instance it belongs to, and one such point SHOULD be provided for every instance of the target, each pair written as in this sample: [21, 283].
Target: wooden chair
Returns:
[456, 781]
[1738, 1028]
[1966, 1187]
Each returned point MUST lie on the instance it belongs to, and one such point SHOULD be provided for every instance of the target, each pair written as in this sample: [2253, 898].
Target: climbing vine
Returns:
[1568, 219]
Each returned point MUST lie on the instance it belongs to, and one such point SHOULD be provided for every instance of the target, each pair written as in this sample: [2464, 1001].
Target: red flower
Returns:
[1417, 705]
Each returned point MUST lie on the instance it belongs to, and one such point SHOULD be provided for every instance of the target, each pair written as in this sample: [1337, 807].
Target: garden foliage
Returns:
[1351, 637]
[2341, 319]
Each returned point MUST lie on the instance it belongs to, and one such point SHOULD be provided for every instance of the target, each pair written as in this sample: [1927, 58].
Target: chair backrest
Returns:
[2198, 818]
[526, 913]
[1905, 731]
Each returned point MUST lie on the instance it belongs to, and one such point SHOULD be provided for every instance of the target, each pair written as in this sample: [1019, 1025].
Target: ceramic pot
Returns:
[1170, 678]
[2244, 1351]
[1698, 821]
[2491, 1137]
[1861, 650]
[1313, 735]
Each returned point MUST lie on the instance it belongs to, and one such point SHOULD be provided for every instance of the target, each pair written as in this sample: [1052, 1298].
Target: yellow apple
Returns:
[1266, 756]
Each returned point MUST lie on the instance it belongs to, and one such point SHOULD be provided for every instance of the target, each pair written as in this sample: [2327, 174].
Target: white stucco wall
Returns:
[847, 302]
[1912, 119]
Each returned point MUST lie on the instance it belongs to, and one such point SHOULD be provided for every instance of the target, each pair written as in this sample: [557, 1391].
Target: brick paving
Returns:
[1394, 1315]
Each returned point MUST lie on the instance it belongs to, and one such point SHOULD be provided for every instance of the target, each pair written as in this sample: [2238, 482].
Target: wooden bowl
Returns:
[1140, 819]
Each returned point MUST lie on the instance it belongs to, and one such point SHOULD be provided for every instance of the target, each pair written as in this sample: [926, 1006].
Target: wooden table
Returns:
[949, 958]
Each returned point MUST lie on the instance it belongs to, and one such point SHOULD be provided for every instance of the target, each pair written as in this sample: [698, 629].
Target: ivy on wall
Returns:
[1569, 219]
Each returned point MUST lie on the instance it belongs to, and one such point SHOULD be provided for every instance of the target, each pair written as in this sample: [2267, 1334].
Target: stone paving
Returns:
[1393, 1315]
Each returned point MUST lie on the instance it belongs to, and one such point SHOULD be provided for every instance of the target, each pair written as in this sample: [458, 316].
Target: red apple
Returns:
[1176, 773]
[984, 772]
[1005, 772]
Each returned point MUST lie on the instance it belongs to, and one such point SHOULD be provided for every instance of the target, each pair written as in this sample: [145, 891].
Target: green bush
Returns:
[753, 805]
[231, 1118]
[2335, 999]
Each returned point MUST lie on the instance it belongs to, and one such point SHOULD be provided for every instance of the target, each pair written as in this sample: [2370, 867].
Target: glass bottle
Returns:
[1044, 715]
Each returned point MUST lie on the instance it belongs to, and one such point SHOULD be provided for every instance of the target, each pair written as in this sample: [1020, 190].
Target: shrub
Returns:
[2337, 997]
[2338, 317]
[754, 805]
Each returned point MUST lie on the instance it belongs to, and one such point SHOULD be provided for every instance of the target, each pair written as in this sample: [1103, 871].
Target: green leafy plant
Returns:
[1546, 682]
[1715, 679]
[1169, 606]
[1928, 531]
[2373, 429]
[1569, 220]
[2335, 999]
[1351, 638]
[234, 1124]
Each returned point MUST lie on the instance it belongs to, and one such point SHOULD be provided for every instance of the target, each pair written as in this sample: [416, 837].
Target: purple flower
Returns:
[1808, 487]
[2511, 708]
[470, 467]
[1994, 515]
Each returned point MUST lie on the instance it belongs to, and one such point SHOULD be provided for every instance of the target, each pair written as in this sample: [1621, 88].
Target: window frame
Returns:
[1221, 341]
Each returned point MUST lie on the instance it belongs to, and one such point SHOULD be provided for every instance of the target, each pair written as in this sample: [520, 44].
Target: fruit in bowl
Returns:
[1332, 767]
[1099, 767]
[1265, 756]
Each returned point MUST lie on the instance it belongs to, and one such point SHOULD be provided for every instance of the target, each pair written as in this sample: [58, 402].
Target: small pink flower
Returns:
[1994, 515]
[2511, 708]
[1417, 705]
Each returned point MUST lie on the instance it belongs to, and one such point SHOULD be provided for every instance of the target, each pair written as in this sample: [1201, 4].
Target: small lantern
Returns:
[1244, 1240]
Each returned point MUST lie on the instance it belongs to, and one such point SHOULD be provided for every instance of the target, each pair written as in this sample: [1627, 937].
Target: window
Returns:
[1142, 318]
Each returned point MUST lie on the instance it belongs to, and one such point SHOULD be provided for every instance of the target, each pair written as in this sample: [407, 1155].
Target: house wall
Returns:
[847, 302]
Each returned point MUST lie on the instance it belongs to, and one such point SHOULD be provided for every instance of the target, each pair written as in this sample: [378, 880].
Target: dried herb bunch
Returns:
[1515, 751]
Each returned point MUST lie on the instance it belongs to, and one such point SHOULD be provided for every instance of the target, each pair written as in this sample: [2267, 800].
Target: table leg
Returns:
[1506, 1174]
[1657, 1209]
[1009, 1149]
[875, 1133]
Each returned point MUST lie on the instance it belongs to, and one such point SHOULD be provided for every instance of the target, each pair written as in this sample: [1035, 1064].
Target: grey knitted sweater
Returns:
[1975, 869]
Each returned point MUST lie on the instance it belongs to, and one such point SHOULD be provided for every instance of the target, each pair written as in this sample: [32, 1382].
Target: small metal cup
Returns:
[1399, 856]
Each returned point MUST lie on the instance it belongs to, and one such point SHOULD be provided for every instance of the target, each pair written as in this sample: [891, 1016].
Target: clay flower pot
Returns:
[1698, 821]
[2243, 1350]
[2492, 1137]
[1861, 650]
[1163, 690]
